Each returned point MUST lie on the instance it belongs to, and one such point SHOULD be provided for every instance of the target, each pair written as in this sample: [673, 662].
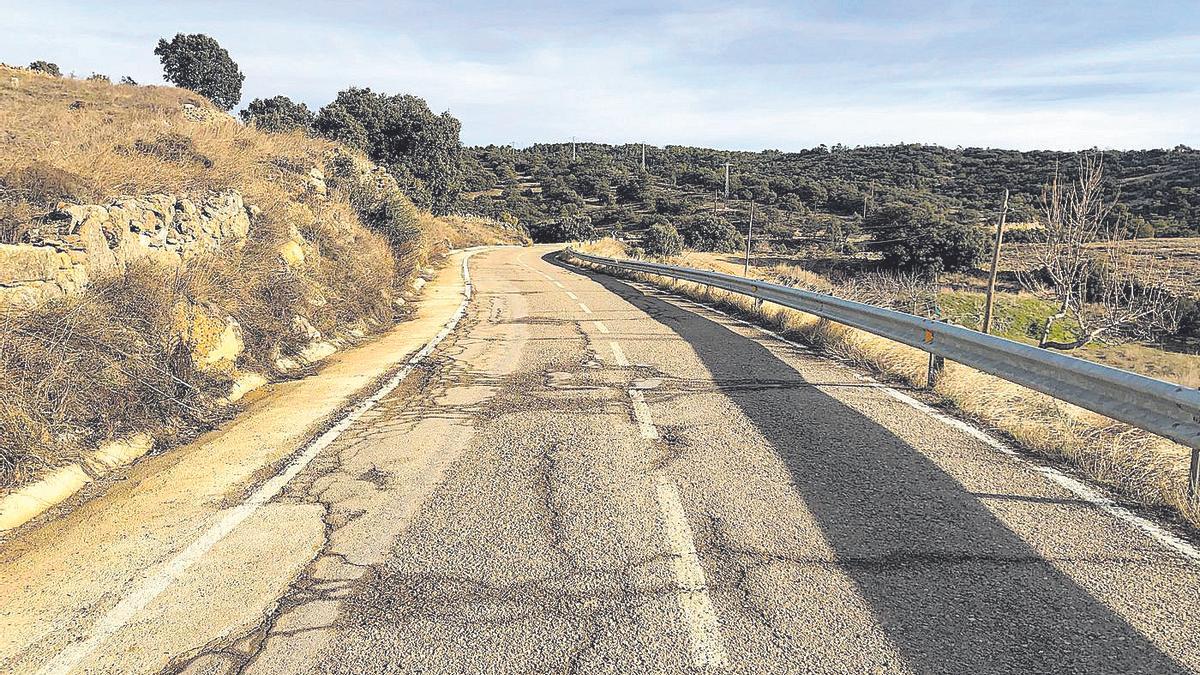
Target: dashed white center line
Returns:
[707, 645]
[558, 283]
[641, 412]
[600, 326]
[572, 295]
[584, 308]
[618, 354]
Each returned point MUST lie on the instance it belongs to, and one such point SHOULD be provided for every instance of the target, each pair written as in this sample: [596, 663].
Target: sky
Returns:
[750, 76]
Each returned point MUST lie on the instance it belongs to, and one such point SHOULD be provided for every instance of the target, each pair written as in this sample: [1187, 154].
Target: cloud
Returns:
[774, 74]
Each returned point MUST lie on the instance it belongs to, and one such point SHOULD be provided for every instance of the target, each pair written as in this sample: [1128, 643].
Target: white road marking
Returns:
[150, 587]
[708, 647]
[584, 308]
[572, 295]
[1079, 489]
[1072, 485]
[618, 354]
[600, 326]
[558, 283]
[641, 413]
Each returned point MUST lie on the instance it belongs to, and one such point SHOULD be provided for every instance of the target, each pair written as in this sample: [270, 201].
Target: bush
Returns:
[277, 114]
[127, 80]
[46, 67]
[43, 184]
[198, 63]
[99, 77]
[662, 240]
[707, 232]
[422, 149]
[565, 228]
[914, 238]
[174, 148]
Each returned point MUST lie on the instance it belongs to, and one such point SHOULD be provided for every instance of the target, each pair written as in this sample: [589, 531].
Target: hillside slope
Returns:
[156, 254]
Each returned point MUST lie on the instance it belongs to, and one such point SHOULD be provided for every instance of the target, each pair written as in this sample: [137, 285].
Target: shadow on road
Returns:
[954, 589]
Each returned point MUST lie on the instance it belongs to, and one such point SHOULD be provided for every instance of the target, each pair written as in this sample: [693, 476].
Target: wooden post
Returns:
[991, 287]
[1194, 474]
[936, 365]
[749, 237]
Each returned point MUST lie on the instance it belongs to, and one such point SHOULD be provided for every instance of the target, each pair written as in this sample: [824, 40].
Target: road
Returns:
[589, 475]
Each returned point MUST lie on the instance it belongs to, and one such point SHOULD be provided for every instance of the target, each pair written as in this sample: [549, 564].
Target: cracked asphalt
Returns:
[503, 511]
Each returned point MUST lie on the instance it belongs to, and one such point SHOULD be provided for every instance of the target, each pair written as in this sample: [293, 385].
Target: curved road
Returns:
[592, 476]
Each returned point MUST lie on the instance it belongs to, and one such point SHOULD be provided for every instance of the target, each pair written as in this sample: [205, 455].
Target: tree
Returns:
[663, 240]
[46, 67]
[707, 232]
[125, 79]
[198, 63]
[634, 189]
[403, 134]
[573, 227]
[1086, 268]
[278, 113]
[915, 238]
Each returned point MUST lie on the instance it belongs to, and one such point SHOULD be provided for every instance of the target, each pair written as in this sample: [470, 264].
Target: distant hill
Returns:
[801, 190]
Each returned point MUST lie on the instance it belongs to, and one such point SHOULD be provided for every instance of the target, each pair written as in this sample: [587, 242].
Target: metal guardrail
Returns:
[1163, 408]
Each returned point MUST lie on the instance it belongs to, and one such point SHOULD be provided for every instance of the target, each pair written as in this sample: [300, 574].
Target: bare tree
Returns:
[910, 292]
[1086, 267]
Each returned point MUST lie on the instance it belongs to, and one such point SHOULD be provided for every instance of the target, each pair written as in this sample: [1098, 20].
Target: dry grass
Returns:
[1141, 468]
[76, 372]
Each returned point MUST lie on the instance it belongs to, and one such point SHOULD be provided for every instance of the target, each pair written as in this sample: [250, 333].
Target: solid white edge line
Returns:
[1078, 488]
[704, 631]
[1072, 485]
[153, 586]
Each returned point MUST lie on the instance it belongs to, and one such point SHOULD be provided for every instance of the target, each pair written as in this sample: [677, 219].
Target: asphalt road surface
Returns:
[589, 475]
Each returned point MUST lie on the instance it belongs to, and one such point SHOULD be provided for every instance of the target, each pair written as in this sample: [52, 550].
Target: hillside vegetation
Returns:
[327, 247]
[803, 193]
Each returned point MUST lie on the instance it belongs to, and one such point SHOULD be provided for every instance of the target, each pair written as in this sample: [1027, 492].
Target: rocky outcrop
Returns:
[214, 341]
[30, 274]
[77, 243]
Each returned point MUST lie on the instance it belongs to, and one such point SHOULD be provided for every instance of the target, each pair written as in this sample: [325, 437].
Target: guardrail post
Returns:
[936, 365]
[1194, 474]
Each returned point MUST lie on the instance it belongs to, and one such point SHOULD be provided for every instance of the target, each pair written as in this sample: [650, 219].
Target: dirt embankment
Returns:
[158, 259]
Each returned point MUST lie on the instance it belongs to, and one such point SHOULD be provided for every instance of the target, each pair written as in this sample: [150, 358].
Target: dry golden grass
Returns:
[78, 371]
[1139, 467]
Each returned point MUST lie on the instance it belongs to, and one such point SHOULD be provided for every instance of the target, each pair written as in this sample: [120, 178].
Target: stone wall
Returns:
[74, 244]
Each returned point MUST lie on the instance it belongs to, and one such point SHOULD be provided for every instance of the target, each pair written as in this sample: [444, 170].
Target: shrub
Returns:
[402, 133]
[174, 148]
[46, 67]
[127, 80]
[564, 228]
[278, 113]
[198, 63]
[707, 232]
[915, 238]
[42, 184]
[99, 77]
[662, 240]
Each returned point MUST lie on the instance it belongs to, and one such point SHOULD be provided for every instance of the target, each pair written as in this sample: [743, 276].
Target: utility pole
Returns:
[572, 148]
[991, 287]
[726, 180]
[749, 237]
[643, 156]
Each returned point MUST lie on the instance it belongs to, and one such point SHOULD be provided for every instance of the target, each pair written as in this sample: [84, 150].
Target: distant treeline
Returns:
[1159, 190]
